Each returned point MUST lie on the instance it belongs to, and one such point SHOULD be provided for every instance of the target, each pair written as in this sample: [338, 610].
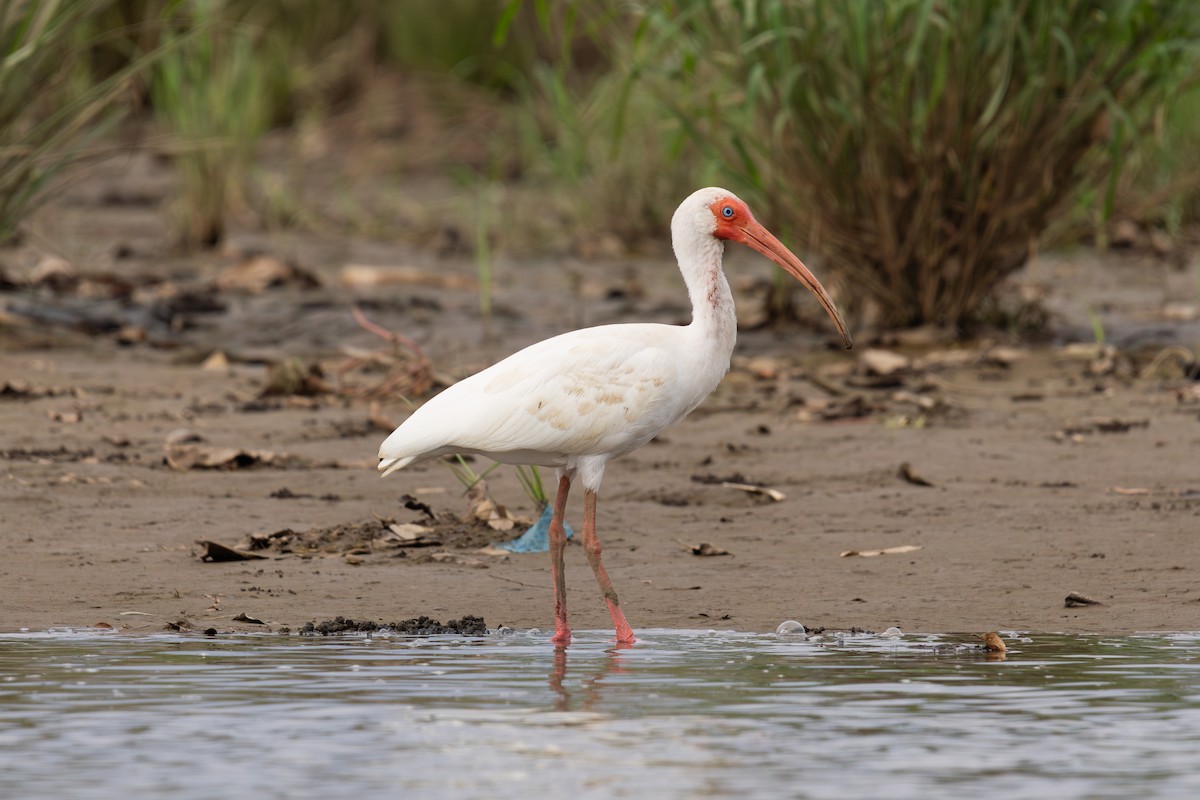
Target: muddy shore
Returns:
[1048, 474]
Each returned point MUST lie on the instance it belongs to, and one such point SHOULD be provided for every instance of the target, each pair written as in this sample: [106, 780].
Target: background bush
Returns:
[921, 147]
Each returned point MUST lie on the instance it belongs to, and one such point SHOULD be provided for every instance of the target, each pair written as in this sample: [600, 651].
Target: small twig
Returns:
[410, 372]
[385, 334]
[510, 580]
[826, 386]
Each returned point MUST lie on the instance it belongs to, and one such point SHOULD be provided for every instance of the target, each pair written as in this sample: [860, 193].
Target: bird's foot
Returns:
[562, 636]
[620, 625]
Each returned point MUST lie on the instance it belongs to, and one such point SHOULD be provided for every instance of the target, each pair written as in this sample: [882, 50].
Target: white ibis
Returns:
[579, 400]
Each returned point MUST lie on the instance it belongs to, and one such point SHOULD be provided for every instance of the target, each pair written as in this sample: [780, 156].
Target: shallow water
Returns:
[680, 714]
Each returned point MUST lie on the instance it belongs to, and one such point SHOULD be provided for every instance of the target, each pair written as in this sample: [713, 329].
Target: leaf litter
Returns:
[184, 449]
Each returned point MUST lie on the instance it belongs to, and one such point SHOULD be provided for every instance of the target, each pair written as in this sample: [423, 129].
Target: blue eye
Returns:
[727, 212]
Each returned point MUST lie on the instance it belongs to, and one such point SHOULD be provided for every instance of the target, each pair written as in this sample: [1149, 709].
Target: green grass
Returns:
[1162, 187]
[483, 253]
[600, 147]
[54, 106]
[210, 95]
[459, 38]
[531, 482]
[465, 473]
[1097, 325]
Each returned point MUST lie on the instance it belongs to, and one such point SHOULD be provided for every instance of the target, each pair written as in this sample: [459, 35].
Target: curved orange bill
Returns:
[756, 236]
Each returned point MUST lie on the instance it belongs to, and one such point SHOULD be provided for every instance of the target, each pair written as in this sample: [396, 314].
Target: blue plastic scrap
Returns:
[537, 538]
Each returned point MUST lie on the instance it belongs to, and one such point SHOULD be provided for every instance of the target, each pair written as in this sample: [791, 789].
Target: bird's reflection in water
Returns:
[588, 692]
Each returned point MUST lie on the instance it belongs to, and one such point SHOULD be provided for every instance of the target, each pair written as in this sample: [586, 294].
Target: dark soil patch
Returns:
[419, 626]
[57, 455]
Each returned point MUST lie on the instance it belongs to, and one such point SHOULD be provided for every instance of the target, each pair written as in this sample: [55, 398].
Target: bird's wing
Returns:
[598, 390]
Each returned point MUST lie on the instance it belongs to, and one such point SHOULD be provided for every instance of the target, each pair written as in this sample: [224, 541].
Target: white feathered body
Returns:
[588, 395]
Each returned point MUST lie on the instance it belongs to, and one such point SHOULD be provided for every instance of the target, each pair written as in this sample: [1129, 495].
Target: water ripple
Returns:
[680, 714]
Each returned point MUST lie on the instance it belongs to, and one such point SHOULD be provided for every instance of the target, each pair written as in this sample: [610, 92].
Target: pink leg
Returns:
[591, 546]
[558, 545]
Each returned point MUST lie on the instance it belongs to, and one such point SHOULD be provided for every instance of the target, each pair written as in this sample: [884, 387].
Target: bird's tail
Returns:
[389, 465]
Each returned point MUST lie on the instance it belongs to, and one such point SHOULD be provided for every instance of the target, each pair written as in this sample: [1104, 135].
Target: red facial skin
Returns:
[741, 226]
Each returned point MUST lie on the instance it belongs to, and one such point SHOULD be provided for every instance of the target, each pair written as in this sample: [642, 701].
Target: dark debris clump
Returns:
[338, 625]
[420, 626]
[854, 631]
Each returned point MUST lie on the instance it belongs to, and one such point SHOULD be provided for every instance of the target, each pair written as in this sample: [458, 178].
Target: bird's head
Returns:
[721, 214]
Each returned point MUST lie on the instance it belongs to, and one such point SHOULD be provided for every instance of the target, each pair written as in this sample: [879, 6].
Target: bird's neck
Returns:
[713, 317]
